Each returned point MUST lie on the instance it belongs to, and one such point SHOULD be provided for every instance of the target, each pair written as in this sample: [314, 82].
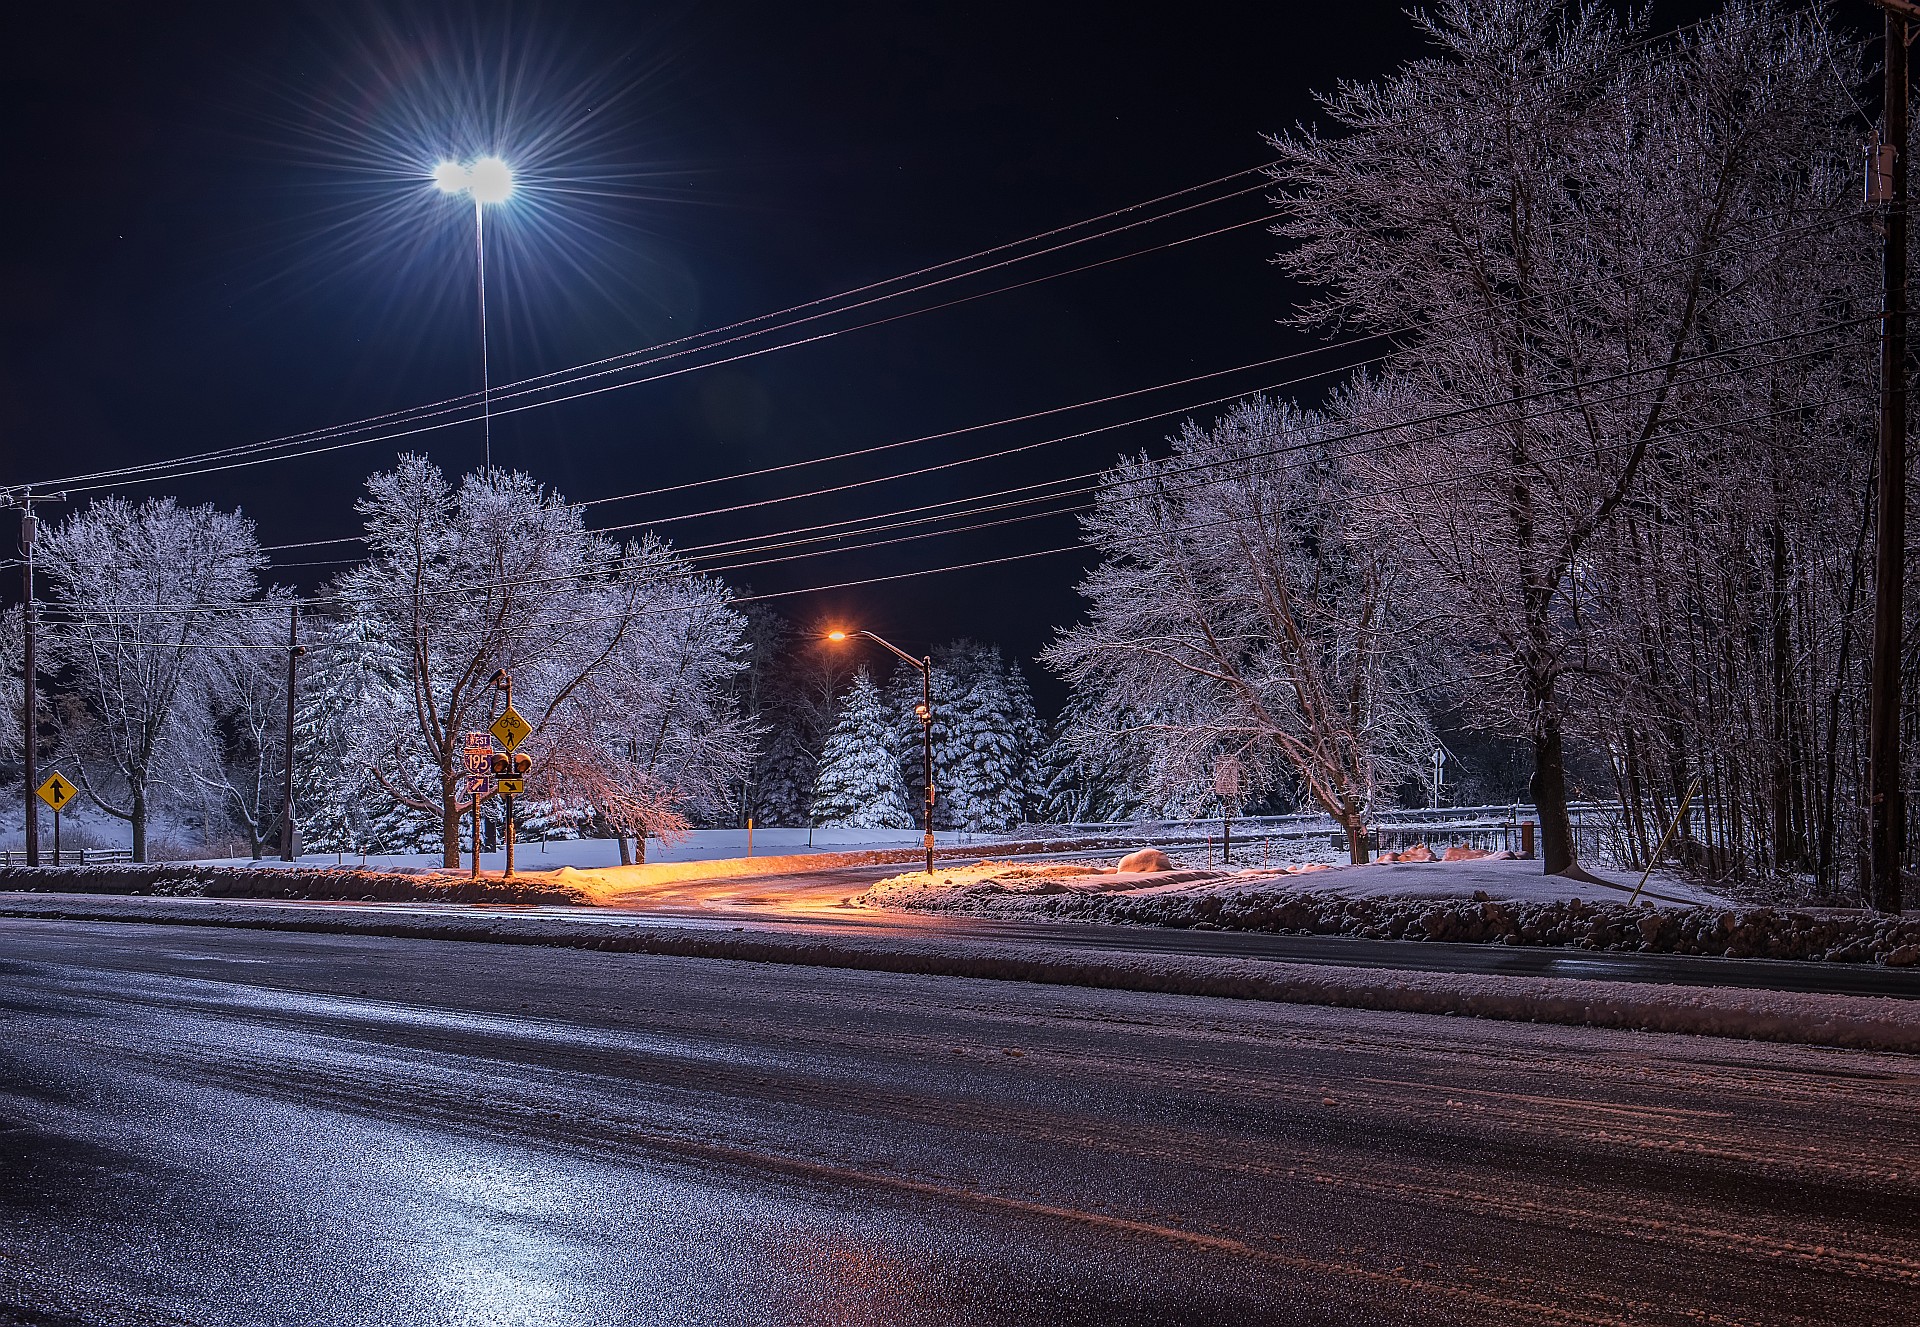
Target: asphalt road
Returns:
[246, 1127]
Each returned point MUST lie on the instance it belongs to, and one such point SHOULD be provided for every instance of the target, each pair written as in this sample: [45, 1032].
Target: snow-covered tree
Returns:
[1549, 213]
[147, 595]
[1094, 767]
[352, 684]
[501, 575]
[651, 735]
[986, 738]
[12, 688]
[243, 702]
[1236, 615]
[858, 785]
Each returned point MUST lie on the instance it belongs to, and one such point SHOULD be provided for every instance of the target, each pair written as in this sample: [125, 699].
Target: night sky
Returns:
[219, 230]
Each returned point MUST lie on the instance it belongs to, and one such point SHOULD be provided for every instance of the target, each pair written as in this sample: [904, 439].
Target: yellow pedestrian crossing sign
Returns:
[511, 729]
[56, 792]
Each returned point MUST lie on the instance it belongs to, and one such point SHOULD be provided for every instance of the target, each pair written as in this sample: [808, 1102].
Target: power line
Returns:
[1452, 414]
[156, 470]
[1428, 324]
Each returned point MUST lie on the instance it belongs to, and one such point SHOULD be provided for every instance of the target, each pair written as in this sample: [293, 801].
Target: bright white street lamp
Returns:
[486, 180]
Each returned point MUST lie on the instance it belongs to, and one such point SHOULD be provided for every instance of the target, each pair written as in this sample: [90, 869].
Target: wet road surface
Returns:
[217, 1127]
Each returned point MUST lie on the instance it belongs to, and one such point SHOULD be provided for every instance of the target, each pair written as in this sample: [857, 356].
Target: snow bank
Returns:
[1858, 1022]
[191, 880]
[1486, 901]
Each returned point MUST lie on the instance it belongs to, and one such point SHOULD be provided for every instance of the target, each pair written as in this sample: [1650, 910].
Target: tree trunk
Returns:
[640, 849]
[449, 823]
[1356, 828]
[1550, 790]
[138, 819]
[626, 853]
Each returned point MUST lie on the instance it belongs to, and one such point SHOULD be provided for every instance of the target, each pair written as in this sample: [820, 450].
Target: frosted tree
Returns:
[352, 686]
[1094, 767]
[243, 703]
[1235, 615]
[799, 699]
[1546, 212]
[148, 594]
[13, 697]
[985, 738]
[858, 785]
[500, 574]
[651, 735]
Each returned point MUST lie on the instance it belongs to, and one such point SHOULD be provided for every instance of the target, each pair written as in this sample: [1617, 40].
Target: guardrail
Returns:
[1319, 821]
[69, 857]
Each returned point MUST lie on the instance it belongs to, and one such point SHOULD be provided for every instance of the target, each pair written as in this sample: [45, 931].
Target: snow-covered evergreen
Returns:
[858, 785]
[986, 738]
[351, 671]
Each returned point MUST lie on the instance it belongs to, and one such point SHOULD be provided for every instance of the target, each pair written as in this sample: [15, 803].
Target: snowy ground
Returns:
[1485, 901]
[702, 845]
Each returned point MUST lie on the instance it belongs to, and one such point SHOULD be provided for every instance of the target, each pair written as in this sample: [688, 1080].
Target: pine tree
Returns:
[858, 785]
[986, 738]
[349, 670]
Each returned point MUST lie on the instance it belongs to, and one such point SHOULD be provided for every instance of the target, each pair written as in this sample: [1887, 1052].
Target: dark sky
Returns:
[218, 231]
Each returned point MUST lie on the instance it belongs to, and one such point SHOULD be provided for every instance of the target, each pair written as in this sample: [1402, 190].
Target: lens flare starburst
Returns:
[543, 124]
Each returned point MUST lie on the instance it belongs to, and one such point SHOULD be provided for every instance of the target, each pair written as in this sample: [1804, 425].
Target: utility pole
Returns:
[1886, 833]
[294, 651]
[29, 690]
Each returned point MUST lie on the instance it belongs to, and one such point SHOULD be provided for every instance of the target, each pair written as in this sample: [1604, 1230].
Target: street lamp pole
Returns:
[486, 373]
[487, 180]
[923, 711]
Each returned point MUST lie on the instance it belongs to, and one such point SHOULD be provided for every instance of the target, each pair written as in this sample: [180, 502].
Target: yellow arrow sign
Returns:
[511, 729]
[511, 787]
[56, 792]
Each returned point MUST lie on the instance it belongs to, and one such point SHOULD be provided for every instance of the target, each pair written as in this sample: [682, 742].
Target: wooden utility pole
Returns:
[29, 689]
[1886, 832]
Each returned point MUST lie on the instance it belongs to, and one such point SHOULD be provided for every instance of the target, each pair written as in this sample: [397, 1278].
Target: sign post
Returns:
[56, 792]
[479, 782]
[512, 730]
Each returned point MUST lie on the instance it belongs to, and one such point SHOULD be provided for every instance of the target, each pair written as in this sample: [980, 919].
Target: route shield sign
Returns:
[511, 729]
[512, 787]
[56, 792]
[480, 761]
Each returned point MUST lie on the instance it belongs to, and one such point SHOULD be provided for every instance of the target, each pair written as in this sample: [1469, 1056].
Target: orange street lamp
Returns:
[923, 711]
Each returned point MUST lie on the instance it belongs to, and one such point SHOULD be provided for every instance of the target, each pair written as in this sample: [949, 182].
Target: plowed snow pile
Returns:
[1013, 887]
[1491, 900]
